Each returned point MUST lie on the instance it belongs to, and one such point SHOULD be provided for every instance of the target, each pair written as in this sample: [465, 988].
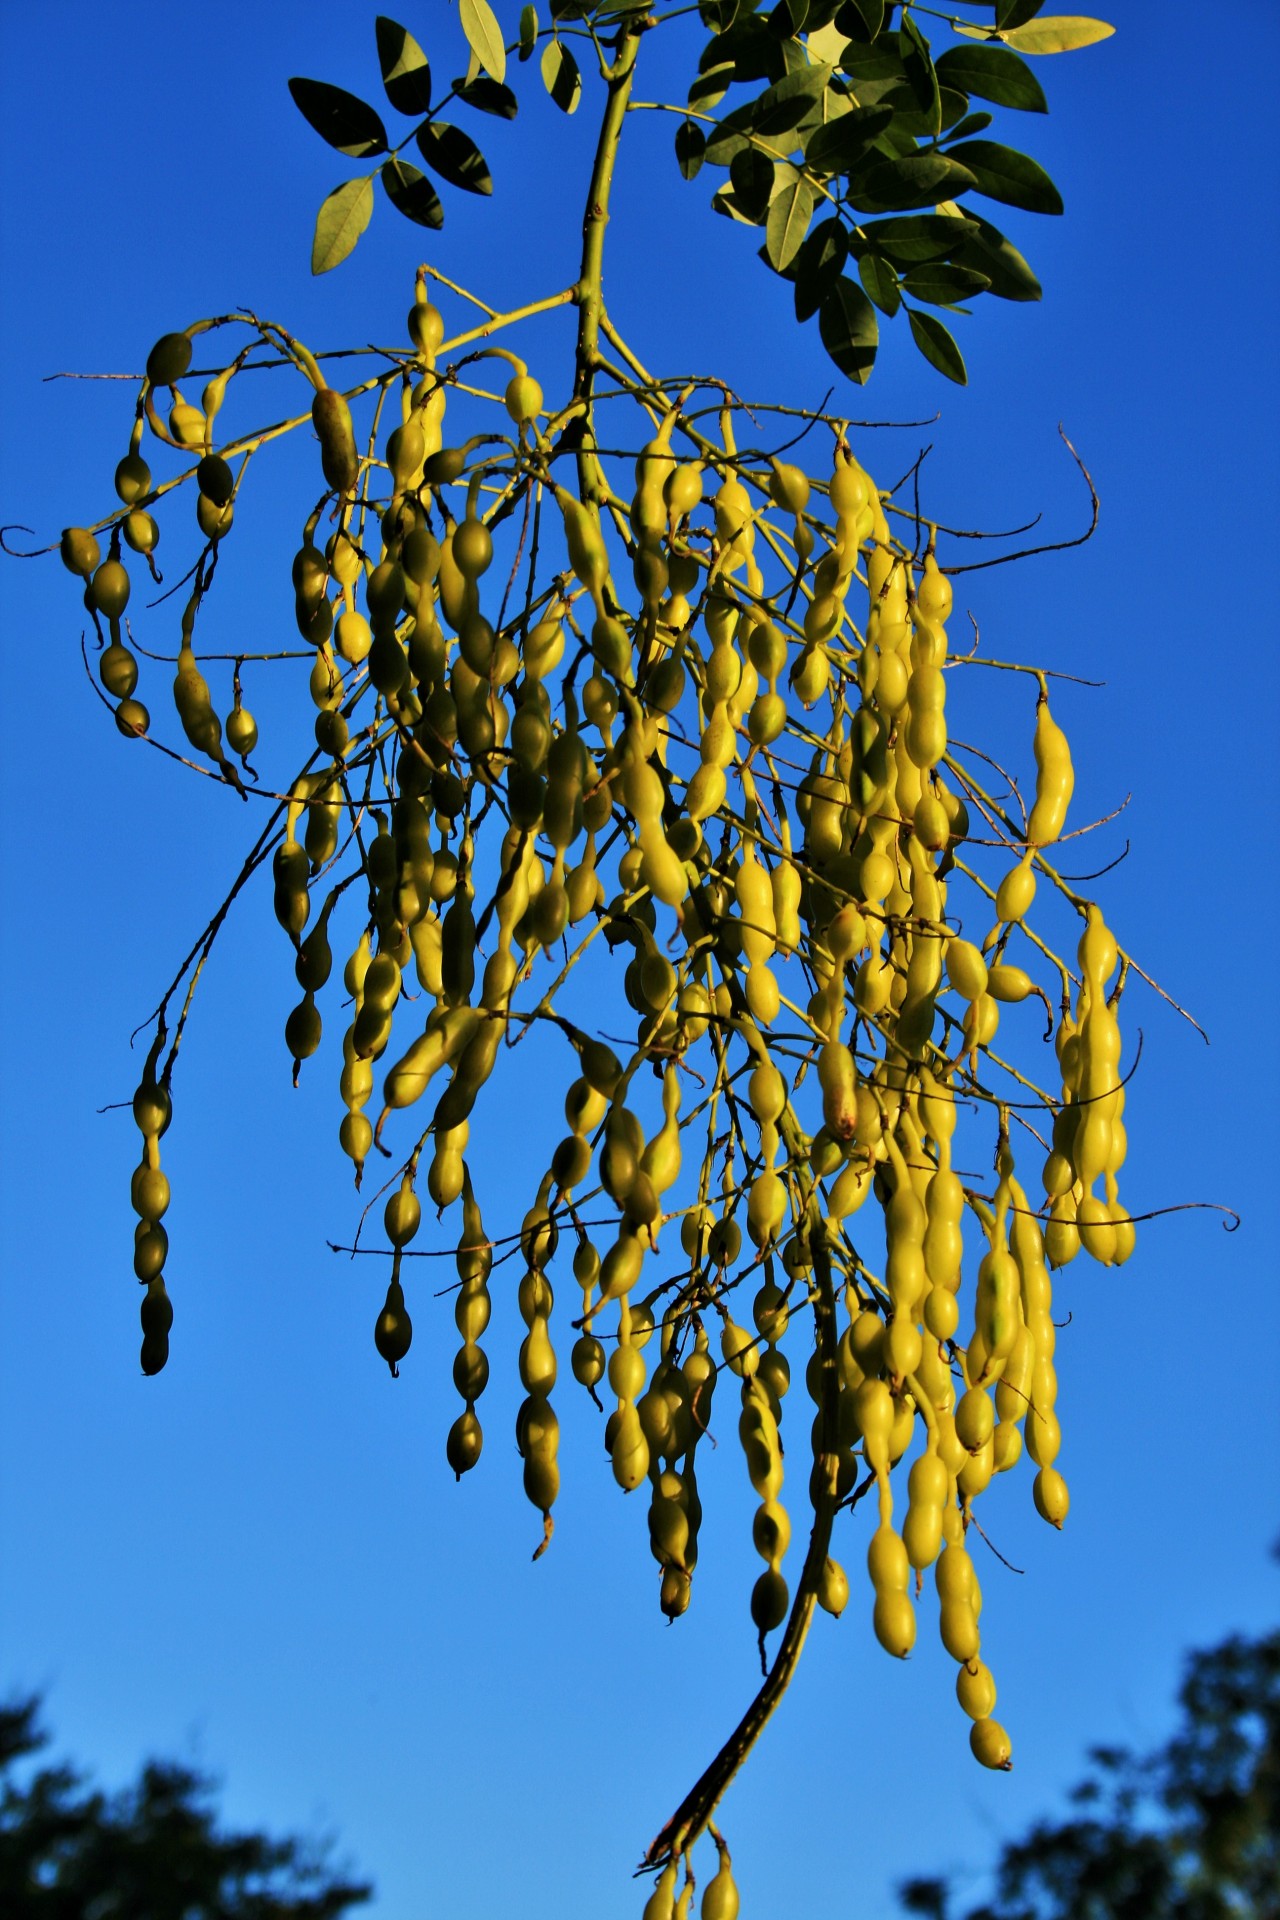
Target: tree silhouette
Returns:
[153, 1851]
[1188, 1832]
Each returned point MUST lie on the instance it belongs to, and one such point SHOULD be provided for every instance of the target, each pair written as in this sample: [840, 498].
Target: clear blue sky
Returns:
[260, 1560]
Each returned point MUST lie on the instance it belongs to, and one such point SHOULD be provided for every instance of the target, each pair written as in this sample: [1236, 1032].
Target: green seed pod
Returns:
[133, 479]
[393, 1329]
[331, 417]
[80, 550]
[169, 359]
[215, 479]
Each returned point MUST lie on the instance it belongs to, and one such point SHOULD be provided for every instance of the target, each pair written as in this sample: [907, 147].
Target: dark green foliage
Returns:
[1190, 1832]
[151, 1852]
[860, 121]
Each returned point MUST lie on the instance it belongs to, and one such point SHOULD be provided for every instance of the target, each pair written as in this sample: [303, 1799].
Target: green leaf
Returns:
[709, 88]
[690, 147]
[406, 77]
[993, 73]
[923, 80]
[972, 123]
[827, 43]
[840, 145]
[1012, 13]
[724, 201]
[719, 15]
[341, 220]
[945, 286]
[937, 346]
[909, 121]
[452, 154]
[880, 282]
[560, 76]
[919, 181]
[412, 194]
[528, 31]
[751, 177]
[861, 19]
[917, 237]
[879, 62]
[818, 266]
[340, 118]
[790, 212]
[1060, 33]
[847, 323]
[1004, 174]
[985, 248]
[789, 18]
[756, 53]
[488, 96]
[484, 36]
[784, 105]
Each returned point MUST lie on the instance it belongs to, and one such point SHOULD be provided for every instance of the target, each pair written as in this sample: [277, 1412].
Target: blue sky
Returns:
[260, 1559]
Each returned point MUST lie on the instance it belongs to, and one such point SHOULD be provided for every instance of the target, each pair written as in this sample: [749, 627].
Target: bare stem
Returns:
[694, 1813]
[595, 218]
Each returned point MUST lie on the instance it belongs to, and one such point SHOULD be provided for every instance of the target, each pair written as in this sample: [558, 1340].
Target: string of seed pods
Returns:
[678, 730]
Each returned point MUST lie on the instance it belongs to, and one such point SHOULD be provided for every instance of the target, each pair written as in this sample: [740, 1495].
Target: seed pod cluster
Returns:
[658, 747]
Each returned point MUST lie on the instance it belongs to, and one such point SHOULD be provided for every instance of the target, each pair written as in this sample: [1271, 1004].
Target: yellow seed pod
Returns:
[1049, 1491]
[682, 489]
[788, 487]
[1055, 779]
[786, 886]
[958, 1629]
[966, 969]
[833, 1588]
[887, 1561]
[766, 1093]
[991, 1745]
[766, 1208]
[850, 489]
[894, 1620]
[720, 1900]
[976, 1691]
[1016, 892]
[934, 596]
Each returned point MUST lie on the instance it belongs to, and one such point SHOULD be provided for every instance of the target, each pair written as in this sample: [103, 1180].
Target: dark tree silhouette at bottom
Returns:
[1189, 1832]
[152, 1851]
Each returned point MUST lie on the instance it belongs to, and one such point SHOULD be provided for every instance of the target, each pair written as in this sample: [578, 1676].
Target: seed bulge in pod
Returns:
[157, 1310]
[523, 398]
[140, 531]
[331, 417]
[118, 671]
[155, 1352]
[215, 479]
[991, 1745]
[169, 359]
[80, 550]
[464, 1442]
[133, 479]
[393, 1329]
[420, 556]
[426, 326]
[150, 1249]
[109, 589]
[976, 1690]
[187, 425]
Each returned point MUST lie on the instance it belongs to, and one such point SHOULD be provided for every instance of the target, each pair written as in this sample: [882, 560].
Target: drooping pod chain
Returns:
[656, 764]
